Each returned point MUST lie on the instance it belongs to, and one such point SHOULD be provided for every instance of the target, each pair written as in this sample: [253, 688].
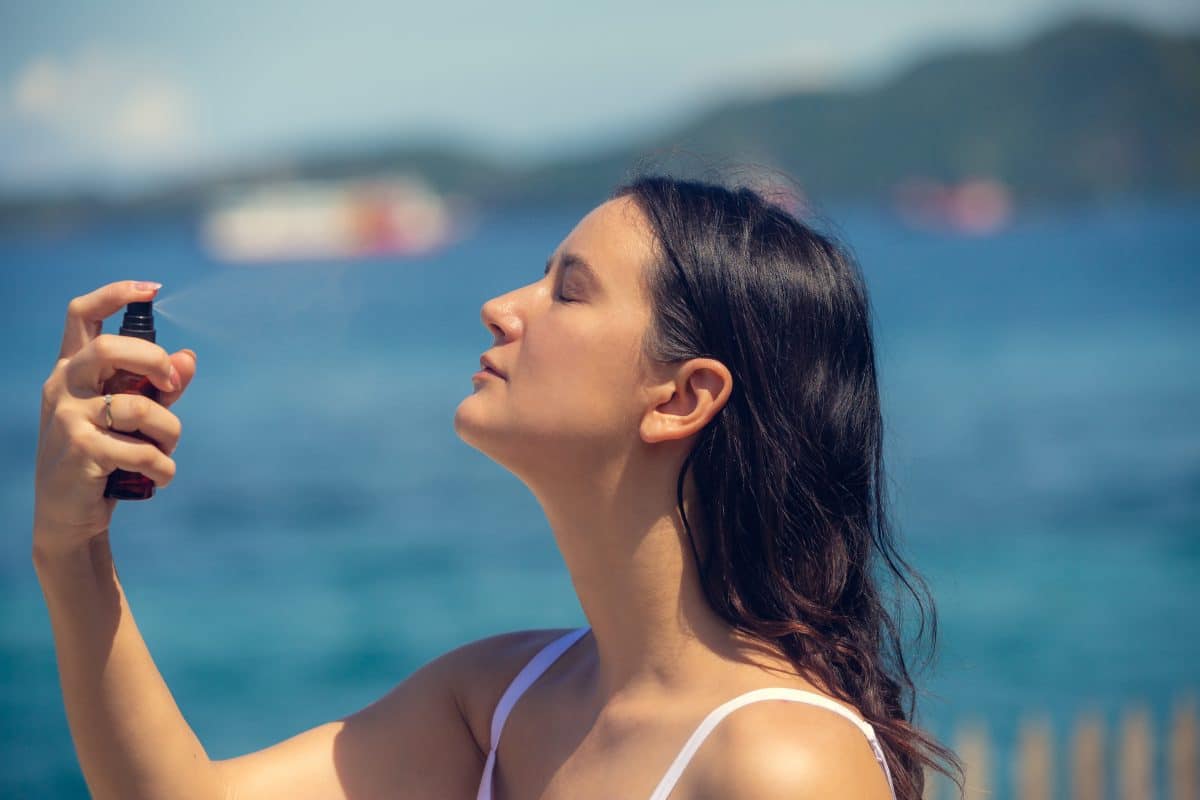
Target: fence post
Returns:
[1183, 755]
[1034, 764]
[931, 785]
[973, 751]
[1137, 779]
[1087, 759]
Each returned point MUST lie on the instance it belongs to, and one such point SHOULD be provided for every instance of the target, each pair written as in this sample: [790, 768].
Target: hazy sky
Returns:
[128, 88]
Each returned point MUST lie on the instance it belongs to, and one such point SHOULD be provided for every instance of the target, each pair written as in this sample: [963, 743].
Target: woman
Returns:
[689, 391]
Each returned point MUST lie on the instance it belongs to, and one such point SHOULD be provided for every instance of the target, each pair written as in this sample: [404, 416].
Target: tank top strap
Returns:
[523, 680]
[528, 674]
[720, 712]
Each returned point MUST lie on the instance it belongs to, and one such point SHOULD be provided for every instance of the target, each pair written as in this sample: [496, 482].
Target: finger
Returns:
[185, 368]
[117, 450]
[100, 359]
[135, 412]
[86, 313]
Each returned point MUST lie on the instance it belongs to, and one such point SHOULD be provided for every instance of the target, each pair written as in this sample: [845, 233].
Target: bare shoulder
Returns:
[481, 670]
[784, 749]
[426, 737]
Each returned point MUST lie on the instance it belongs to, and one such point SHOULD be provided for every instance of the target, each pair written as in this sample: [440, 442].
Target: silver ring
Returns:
[108, 410]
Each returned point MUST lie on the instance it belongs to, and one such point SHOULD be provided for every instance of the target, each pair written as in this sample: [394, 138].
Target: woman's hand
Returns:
[76, 449]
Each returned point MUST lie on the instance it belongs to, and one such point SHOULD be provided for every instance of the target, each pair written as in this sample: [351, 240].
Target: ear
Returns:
[684, 404]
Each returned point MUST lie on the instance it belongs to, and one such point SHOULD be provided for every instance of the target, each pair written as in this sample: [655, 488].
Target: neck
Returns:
[632, 567]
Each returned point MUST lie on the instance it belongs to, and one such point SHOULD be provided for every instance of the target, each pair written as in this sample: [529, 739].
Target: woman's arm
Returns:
[414, 743]
[133, 742]
[131, 739]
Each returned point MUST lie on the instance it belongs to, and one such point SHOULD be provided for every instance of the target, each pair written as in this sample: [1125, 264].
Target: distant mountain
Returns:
[1092, 108]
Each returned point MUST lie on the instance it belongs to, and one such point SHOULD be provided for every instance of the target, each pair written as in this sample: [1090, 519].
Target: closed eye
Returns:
[560, 296]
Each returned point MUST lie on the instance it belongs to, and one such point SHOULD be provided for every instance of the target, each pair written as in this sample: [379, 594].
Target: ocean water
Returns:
[327, 532]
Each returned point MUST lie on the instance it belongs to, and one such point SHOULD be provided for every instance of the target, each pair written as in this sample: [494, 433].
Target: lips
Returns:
[486, 364]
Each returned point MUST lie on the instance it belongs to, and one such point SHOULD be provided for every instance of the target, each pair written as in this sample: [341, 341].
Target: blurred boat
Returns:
[315, 220]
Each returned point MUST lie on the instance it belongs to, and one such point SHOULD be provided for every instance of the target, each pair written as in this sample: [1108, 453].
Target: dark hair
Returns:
[789, 474]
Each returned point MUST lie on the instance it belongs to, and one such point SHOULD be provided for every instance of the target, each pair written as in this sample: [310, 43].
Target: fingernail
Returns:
[190, 352]
[147, 286]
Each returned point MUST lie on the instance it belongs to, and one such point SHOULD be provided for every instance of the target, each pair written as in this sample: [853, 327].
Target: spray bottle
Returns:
[138, 321]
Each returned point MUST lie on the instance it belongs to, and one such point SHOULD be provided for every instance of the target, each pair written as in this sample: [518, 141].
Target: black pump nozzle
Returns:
[139, 320]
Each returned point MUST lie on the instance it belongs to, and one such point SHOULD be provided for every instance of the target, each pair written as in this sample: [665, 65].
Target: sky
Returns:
[124, 91]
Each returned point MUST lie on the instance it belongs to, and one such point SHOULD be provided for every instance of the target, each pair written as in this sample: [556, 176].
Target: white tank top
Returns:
[547, 656]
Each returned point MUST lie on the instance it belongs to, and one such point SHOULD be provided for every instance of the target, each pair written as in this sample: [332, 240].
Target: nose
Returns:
[498, 317]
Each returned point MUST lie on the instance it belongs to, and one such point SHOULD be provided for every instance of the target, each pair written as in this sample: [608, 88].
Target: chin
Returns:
[489, 436]
[462, 418]
[470, 425]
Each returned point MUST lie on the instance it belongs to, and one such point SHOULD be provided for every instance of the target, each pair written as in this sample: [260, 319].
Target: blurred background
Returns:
[330, 192]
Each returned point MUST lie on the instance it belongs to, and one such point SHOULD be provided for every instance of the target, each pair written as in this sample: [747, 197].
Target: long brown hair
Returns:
[789, 474]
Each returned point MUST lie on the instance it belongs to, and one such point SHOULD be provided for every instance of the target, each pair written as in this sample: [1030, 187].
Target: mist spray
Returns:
[138, 321]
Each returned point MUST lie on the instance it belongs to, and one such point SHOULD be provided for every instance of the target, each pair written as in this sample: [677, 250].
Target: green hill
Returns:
[1089, 109]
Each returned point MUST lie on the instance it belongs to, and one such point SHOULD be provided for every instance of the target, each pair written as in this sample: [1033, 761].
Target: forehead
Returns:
[615, 238]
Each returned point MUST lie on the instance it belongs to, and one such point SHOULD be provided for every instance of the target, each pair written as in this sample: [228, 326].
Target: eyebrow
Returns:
[577, 261]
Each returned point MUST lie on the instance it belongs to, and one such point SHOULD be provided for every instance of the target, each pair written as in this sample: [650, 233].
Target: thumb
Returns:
[185, 364]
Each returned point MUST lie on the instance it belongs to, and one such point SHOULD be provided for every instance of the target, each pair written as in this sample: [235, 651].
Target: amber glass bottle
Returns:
[122, 484]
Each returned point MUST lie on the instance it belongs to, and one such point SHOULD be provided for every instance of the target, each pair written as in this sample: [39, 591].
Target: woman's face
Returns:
[568, 345]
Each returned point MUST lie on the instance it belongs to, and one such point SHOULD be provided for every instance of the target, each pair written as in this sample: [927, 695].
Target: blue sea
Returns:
[327, 532]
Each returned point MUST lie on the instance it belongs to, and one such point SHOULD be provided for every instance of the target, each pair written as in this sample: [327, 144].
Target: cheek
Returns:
[560, 368]
[576, 380]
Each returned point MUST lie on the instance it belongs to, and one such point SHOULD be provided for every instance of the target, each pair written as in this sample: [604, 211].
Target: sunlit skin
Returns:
[599, 438]
[599, 435]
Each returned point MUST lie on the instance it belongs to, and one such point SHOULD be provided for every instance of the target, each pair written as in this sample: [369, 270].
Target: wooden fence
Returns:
[1089, 773]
